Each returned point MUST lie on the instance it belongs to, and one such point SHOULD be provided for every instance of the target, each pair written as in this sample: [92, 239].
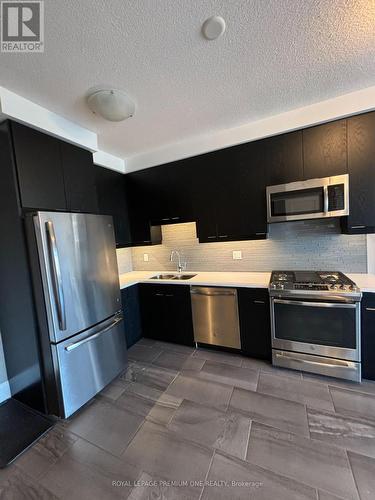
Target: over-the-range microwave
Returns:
[311, 199]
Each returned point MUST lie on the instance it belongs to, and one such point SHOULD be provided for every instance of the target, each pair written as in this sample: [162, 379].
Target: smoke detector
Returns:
[213, 27]
[111, 104]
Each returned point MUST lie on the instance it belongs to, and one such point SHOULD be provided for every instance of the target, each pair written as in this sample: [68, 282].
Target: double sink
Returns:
[173, 276]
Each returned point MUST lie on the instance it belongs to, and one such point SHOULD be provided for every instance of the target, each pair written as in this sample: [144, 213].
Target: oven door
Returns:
[323, 328]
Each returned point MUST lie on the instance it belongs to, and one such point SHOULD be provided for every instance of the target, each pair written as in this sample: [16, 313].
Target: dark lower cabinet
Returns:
[368, 336]
[166, 313]
[254, 311]
[132, 314]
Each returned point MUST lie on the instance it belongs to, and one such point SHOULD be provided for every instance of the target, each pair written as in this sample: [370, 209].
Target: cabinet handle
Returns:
[159, 294]
[357, 227]
[371, 309]
[169, 295]
[260, 234]
[175, 218]
[211, 237]
[223, 236]
[166, 218]
[259, 302]
[146, 241]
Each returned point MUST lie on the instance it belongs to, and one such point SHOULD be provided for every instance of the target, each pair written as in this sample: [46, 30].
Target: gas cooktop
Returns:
[312, 281]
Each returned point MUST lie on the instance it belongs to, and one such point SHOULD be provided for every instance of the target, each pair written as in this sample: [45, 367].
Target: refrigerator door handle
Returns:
[56, 275]
[71, 347]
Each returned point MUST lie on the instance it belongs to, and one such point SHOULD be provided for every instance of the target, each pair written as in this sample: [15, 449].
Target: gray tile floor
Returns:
[198, 424]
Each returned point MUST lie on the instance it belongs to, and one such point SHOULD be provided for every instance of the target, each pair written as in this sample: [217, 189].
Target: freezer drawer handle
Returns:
[56, 275]
[314, 304]
[351, 366]
[71, 347]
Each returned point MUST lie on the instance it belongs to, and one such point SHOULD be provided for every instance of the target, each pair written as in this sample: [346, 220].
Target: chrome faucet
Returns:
[180, 265]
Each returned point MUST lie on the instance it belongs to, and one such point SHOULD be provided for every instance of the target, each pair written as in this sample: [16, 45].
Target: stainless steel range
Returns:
[315, 323]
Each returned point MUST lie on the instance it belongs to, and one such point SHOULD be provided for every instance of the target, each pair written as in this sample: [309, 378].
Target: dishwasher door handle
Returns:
[212, 294]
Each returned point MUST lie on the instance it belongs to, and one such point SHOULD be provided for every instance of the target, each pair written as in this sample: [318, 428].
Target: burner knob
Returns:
[336, 287]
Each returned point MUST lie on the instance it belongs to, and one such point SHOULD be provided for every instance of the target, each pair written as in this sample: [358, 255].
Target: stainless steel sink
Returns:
[184, 276]
[163, 277]
[173, 276]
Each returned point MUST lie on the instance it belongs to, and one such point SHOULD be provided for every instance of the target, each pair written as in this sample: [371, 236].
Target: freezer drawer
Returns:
[87, 362]
[215, 316]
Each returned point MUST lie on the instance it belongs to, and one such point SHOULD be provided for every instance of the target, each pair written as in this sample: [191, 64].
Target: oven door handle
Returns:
[315, 304]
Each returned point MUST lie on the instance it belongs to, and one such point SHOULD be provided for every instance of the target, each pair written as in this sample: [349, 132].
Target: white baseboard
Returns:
[4, 391]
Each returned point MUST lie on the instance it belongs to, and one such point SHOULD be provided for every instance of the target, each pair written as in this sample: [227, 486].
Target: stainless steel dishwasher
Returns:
[215, 316]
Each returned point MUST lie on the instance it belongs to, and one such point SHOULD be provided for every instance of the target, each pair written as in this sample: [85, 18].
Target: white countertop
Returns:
[366, 282]
[237, 279]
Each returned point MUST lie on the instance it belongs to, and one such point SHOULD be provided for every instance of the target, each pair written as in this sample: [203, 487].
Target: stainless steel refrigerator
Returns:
[76, 287]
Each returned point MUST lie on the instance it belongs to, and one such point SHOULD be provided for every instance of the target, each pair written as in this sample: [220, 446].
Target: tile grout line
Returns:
[351, 470]
[248, 439]
[207, 473]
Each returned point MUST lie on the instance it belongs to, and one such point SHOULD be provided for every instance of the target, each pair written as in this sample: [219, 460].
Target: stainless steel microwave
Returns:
[311, 199]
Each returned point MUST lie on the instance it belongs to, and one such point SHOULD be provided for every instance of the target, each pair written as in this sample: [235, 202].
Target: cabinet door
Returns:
[241, 207]
[142, 233]
[361, 168]
[111, 192]
[132, 314]
[40, 175]
[325, 150]
[79, 178]
[153, 311]
[207, 194]
[283, 158]
[178, 325]
[254, 310]
[368, 336]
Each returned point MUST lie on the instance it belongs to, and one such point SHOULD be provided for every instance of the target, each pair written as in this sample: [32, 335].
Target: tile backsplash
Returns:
[290, 245]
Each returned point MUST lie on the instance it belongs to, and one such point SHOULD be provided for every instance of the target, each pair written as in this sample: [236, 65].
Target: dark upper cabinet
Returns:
[166, 313]
[138, 198]
[241, 211]
[39, 168]
[111, 193]
[232, 204]
[168, 192]
[79, 178]
[361, 169]
[254, 311]
[283, 158]
[368, 336]
[325, 150]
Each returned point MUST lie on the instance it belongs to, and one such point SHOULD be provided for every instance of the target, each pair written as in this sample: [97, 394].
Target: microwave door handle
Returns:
[325, 199]
[56, 275]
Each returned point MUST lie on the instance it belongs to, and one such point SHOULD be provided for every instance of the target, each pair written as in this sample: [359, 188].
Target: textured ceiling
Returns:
[276, 55]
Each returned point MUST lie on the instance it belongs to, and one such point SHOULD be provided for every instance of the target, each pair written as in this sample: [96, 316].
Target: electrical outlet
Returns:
[145, 257]
[237, 254]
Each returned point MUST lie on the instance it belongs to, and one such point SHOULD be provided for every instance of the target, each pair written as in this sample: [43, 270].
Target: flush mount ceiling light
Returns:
[110, 104]
[213, 27]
